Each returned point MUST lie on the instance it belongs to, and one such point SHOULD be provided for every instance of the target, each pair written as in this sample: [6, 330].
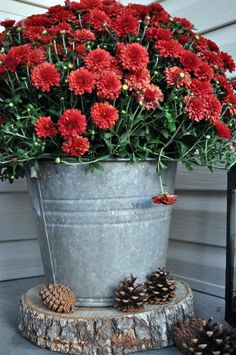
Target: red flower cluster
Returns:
[93, 65]
[132, 56]
[104, 115]
[44, 76]
[165, 198]
[108, 86]
[76, 146]
[176, 76]
[126, 24]
[44, 127]
[71, 123]
[81, 81]
[150, 97]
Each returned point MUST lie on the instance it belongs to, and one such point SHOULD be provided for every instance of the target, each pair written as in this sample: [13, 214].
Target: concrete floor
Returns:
[11, 343]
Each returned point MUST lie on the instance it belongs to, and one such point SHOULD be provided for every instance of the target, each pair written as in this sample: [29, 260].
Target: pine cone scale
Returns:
[58, 298]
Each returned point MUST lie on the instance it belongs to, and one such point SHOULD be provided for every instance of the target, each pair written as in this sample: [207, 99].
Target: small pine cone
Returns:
[206, 338]
[183, 332]
[160, 287]
[58, 298]
[130, 296]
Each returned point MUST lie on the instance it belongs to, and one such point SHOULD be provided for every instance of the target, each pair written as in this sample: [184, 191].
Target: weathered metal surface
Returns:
[102, 331]
[95, 228]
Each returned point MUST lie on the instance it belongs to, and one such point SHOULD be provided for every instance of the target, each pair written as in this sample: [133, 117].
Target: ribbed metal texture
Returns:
[95, 228]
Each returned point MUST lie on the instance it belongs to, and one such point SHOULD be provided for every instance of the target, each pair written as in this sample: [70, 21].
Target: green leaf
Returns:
[124, 137]
[95, 166]
[183, 147]
[165, 133]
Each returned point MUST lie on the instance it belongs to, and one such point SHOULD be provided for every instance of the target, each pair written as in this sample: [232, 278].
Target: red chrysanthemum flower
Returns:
[231, 100]
[200, 43]
[138, 80]
[81, 81]
[170, 48]
[111, 7]
[38, 20]
[60, 13]
[225, 85]
[17, 55]
[84, 5]
[98, 20]
[46, 38]
[151, 97]
[190, 60]
[222, 129]
[34, 33]
[80, 49]
[159, 18]
[184, 39]
[158, 34]
[177, 76]
[115, 68]
[72, 123]
[213, 59]
[195, 108]
[132, 56]
[44, 127]
[155, 8]
[2, 61]
[201, 88]
[228, 61]
[204, 72]
[126, 24]
[184, 22]
[138, 9]
[60, 29]
[104, 115]
[156, 200]
[108, 86]
[36, 56]
[44, 76]
[212, 45]
[213, 108]
[83, 35]
[98, 60]
[76, 146]
[164, 198]
[7, 23]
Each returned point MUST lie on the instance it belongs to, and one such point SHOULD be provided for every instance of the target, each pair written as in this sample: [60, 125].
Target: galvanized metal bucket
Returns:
[95, 228]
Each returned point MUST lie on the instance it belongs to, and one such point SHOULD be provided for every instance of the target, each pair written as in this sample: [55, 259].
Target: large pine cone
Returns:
[204, 338]
[130, 296]
[58, 298]
[160, 287]
[185, 331]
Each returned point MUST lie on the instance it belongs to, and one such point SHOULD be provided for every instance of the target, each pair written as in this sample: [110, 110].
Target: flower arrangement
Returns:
[96, 79]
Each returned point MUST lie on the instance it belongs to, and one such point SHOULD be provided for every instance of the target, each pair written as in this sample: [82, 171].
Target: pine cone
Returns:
[58, 298]
[205, 338]
[185, 331]
[130, 296]
[160, 287]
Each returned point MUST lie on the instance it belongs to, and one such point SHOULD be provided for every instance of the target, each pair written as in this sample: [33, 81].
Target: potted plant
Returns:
[96, 85]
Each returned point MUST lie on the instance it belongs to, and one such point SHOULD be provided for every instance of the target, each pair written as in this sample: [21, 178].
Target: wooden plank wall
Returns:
[197, 246]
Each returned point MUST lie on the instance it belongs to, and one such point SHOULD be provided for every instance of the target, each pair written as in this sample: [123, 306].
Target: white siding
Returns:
[197, 246]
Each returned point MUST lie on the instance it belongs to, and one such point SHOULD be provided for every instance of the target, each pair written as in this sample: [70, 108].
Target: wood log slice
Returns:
[102, 331]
